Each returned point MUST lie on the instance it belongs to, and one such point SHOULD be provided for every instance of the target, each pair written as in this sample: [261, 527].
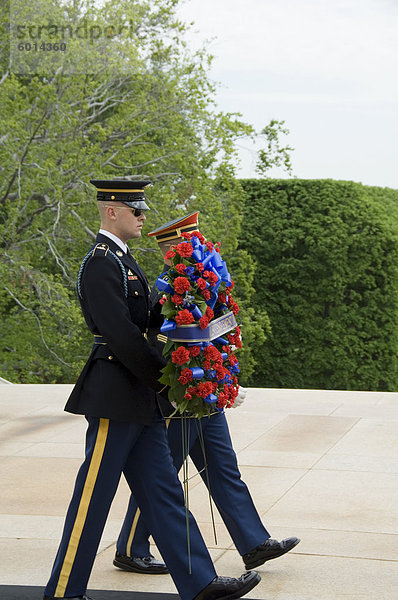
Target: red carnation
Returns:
[186, 235]
[235, 339]
[180, 268]
[169, 255]
[204, 389]
[162, 300]
[184, 249]
[232, 359]
[210, 246]
[199, 236]
[233, 306]
[200, 267]
[231, 287]
[212, 353]
[180, 356]
[201, 283]
[222, 400]
[203, 322]
[221, 372]
[231, 391]
[212, 277]
[185, 377]
[181, 285]
[184, 317]
[176, 299]
[194, 351]
[222, 297]
[206, 294]
[209, 313]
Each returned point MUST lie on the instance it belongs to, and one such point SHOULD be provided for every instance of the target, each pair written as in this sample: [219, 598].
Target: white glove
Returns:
[240, 398]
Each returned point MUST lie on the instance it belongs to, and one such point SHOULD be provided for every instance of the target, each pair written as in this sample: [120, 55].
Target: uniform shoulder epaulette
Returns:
[102, 250]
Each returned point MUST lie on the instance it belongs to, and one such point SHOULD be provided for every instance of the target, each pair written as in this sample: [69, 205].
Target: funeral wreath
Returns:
[200, 324]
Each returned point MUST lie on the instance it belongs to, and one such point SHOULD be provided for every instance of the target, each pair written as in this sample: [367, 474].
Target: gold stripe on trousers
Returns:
[82, 511]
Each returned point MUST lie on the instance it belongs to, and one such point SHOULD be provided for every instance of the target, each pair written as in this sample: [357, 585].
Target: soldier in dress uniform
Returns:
[211, 450]
[117, 392]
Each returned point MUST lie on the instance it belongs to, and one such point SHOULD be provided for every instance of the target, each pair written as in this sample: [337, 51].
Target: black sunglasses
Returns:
[137, 212]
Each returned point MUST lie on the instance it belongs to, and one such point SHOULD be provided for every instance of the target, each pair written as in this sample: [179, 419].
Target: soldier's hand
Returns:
[240, 398]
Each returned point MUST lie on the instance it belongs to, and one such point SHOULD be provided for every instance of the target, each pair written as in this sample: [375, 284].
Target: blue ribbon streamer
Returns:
[200, 344]
[220, 340]
[195, 310]
[211, 399]
[197, 255]
[197, 372]
[168, 325]
[212, 300]
[163, 286]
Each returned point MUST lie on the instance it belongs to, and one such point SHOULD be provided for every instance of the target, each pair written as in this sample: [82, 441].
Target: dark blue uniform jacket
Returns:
[120, 378]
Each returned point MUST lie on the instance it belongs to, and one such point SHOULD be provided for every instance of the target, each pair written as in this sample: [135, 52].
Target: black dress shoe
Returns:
[267, 551]
[229, 588]
[147, 565]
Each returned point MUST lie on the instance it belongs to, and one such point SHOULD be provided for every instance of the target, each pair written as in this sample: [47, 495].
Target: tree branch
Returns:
[3, 199]
[86, 229]
[39, 325]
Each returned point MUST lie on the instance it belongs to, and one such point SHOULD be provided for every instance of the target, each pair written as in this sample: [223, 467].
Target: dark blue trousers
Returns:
[142, 454]
[227, 489]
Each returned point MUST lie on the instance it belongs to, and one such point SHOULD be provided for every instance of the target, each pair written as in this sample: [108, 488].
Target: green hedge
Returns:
[327, 274]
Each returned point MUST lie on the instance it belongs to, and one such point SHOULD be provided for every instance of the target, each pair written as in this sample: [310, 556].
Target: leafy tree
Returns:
[274, 155]
[132, 102]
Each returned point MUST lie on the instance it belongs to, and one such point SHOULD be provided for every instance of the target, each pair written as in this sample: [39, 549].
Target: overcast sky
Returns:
[329, 68]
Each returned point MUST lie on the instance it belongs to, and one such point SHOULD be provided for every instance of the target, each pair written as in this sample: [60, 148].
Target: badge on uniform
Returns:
[130, 276]
[119, 253]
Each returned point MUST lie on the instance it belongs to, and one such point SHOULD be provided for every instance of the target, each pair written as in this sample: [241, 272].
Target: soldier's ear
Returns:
[111, 212]
[107, 211]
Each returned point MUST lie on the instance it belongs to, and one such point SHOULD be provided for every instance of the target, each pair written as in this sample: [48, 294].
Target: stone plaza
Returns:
[321, 465]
